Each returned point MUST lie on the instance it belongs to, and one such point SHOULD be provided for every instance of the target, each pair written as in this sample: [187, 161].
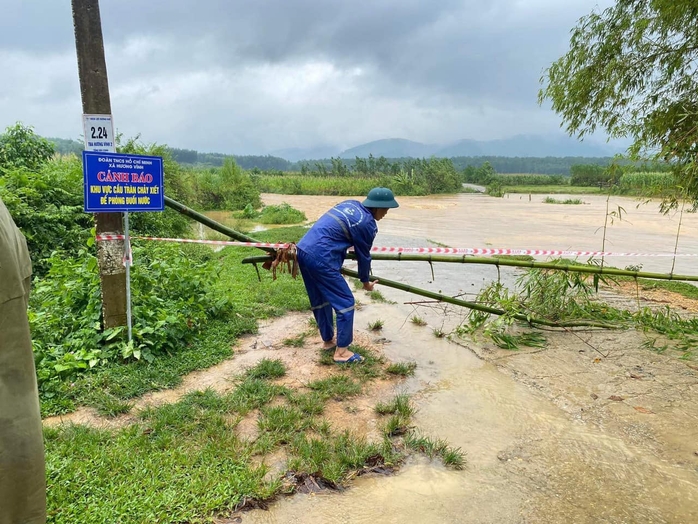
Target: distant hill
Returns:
[391, 148]
[517, 146]
[295, 154]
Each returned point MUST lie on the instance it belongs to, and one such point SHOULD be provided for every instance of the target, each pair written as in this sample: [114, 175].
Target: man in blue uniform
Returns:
[320, 255]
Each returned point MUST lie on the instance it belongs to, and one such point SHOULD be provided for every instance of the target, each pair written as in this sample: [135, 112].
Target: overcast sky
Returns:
[255, 76]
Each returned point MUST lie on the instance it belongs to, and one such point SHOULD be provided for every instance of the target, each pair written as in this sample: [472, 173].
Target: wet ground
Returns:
[592, 428]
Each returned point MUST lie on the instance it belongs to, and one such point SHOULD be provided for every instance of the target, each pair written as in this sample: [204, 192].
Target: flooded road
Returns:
[553, 435]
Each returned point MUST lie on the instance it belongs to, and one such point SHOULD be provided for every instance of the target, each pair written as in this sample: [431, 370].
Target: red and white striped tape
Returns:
[417, 250]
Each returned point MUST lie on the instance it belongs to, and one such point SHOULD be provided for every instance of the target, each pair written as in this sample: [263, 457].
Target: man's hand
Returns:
[368, 286]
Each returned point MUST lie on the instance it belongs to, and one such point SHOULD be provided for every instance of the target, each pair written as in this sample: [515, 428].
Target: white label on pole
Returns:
[99, 133]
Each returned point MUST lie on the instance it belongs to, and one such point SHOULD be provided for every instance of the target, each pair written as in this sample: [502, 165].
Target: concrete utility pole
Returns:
[94, 89]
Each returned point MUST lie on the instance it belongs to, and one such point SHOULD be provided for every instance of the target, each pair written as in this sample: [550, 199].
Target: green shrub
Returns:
[172, 299]
[281, 214]
[47, 205]
[21, 147]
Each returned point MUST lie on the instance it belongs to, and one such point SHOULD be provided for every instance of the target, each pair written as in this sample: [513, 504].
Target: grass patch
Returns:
[281, 214]
[402, 368]
[332, 459]
[399, 405]
[556, 190]
[283, 422]
[376, 325]
[109, 406]
[267, 369]
[126, 381]
[451, 457]
[401, 411]
[418, 321]
[681, 288]
[253, 393]
[376, 296]
[568, 201]
[309, 403]
[295, 342]
[337, 387]
[439, 333]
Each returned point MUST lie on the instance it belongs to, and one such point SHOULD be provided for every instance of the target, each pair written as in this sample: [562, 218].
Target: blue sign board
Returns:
[116, 182]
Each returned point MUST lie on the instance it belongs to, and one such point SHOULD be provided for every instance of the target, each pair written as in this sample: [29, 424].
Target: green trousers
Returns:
[22, 463]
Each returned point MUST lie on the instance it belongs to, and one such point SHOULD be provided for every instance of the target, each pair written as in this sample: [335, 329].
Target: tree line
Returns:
[369, 165]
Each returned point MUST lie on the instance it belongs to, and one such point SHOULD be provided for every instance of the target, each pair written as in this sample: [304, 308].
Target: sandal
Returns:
[355, 357]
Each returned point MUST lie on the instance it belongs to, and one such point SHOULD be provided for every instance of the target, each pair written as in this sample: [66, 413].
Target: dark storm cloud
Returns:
[463, 47]
[429, 69]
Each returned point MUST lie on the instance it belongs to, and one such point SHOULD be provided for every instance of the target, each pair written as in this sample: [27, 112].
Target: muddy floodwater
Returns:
[593, 428]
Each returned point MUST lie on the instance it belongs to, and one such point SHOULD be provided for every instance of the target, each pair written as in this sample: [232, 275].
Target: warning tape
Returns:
[415, 250]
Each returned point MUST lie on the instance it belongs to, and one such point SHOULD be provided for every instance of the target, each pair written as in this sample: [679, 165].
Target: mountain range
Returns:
[516, 146]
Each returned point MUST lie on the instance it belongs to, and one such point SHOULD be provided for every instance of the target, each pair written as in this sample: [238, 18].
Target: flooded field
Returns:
[593, 428]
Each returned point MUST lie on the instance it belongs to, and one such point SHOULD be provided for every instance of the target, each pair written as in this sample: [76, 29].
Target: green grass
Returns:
[402, 368]
[295, 342]
[682, 288]
[418, 321]
[337, 387]
[451, 457]
[267, 368]
[555, 190]
[376, 296]
[281, 214]
[400, 410]
[568, 201]
[283, 422]
[399, 405]
[183, 462]
[376, 325]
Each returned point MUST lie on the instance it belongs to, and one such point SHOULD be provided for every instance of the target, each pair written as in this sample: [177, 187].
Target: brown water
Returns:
[544, 440]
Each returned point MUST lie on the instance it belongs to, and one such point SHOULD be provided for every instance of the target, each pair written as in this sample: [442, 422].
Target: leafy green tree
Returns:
[21, 147]
[236, 187]
[47, 205]
[631, 71]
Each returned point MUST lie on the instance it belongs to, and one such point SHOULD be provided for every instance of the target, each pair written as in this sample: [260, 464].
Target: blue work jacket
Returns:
[347, 224]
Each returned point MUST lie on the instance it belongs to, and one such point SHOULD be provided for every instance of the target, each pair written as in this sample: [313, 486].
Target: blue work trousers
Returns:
[327, 291]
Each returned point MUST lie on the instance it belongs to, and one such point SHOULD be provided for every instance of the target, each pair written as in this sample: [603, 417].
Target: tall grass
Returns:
[647, 183]
[532, 180]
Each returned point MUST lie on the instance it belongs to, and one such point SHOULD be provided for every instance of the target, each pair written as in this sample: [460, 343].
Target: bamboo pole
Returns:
[457, 302]
[203, 219]
[468, 259]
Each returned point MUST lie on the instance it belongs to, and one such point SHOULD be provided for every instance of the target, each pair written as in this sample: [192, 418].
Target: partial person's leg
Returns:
[335, 288]
[22, 464]
[319, 304]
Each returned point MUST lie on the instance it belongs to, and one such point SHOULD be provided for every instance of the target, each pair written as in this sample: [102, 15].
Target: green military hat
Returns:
[380, 197]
